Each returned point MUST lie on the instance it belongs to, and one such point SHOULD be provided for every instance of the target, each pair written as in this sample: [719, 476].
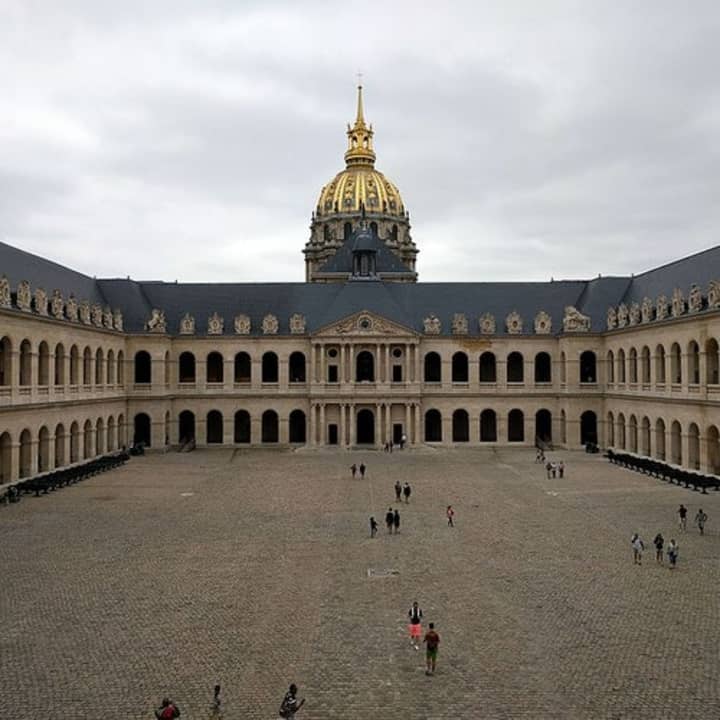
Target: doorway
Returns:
[366, 427]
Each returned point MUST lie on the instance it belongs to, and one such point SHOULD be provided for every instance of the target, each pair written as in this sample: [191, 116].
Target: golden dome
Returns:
[360, 185]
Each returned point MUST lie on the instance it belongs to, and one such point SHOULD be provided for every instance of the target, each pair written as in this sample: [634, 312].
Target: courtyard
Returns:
[255, 569]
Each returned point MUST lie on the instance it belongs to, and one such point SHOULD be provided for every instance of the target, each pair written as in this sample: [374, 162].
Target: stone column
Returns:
[353, 425]
[378, 427]
[312, 426]
[341, 427]
[323, 364]
[418, 364]
[323, 428]
[406, 429]
[418, 427]
[341, 368]
[15, 461]
[702, 370]
[388, 362]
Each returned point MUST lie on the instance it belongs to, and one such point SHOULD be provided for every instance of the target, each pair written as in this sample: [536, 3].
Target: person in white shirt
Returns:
[638, 546]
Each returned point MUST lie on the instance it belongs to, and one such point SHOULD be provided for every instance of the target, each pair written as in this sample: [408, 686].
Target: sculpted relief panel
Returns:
[543, 323]
[157, 322]
[242, 324]
[575, 321]
[187, 324]
[487, 324]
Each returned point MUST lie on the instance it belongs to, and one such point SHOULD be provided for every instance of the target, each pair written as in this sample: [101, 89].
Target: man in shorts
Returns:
[415, 624]
[682, 518]
[432, 641]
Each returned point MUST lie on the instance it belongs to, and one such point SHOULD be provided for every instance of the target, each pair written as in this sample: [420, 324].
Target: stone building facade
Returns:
[358, 355]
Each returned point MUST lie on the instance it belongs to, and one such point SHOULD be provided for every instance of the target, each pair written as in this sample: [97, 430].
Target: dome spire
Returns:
[360, 138]
[360, 117]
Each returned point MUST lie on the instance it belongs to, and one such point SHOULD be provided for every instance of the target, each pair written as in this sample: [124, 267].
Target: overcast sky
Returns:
[170, 139]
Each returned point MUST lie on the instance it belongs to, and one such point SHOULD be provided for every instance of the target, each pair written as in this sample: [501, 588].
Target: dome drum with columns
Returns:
[358, 191]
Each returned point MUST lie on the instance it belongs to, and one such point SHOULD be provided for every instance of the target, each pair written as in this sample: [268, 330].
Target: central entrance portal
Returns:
[366, 427]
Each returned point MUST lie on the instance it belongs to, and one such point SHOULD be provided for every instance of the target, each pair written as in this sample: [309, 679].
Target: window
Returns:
[433, 372]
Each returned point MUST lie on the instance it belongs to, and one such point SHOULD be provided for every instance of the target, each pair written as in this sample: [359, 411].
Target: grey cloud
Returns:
[526, 144]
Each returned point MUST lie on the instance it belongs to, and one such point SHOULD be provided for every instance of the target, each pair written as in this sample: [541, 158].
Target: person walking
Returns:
[406, 492]
[415, 624]
[373, 527]
[403, 440]
[548, 469]
[362, 470]
[353, 469]
[389, 520]
[561, 468]
[682, 518]
[450, 516]
[673, 552]
[398, 490]
[659, 543]
[290, 704]
[216, 698]
[396, 521]
[700, 520]
[167, 710]
[638, 546]
[432, 642]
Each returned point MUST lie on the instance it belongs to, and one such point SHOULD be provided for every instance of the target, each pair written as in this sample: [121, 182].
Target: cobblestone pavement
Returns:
[251, 569]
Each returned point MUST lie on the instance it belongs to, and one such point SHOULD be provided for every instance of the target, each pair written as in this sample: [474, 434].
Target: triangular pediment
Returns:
[364, 324]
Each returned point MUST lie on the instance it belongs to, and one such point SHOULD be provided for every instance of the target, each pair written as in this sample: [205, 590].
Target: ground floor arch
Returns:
[433, 426]
[142, 430]
[242, 427]
[270, 431]
[186, 426]
[298, 427]
[588, 428]
[488, 426]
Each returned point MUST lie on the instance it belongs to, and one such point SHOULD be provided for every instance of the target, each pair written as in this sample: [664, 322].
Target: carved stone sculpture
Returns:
[694, 299]
[646, 310]
[459, 324]
[242, 324]
[575, 321]
[543, 323]
[5, 297]
[97, 315]
[216, 324]
[487, 324]
[187, 324]
[678, 302]
[713, 294]
[41, 302]
[157, 322]
[634, 313]
[23, 296]
[270, 325]
[118, 320]
[661, 308]
[57, 305]
[432, 325]
[297, 324]
[612, 319]
[84, 312]
[107, 318]
[514, 323]
[72, 309]
[622, 315]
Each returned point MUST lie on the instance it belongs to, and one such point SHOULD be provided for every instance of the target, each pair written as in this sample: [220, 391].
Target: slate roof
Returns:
[406, 304]
[386, 261]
